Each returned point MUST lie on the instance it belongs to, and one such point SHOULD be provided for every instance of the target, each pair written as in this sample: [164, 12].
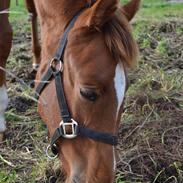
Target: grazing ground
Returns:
[151, 132]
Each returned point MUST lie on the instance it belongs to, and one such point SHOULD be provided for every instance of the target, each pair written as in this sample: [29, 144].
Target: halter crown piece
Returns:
[55, 71]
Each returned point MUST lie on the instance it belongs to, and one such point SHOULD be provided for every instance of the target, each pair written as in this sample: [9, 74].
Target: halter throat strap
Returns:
[67, 121]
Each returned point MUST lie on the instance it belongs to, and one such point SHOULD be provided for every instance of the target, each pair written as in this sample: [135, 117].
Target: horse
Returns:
[5, 46]
[94, 48]
[87, 49]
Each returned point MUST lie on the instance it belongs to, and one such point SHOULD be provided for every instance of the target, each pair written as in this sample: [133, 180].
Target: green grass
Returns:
[150, 9]
[19, 11]
[8, 177]
[159, 13]
[158, 10]
[162, 47]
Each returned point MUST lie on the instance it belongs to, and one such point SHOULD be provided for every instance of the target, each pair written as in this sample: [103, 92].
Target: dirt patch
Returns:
[151, 146]
[152, 152]
[165, 46]
[20, 104]
[159, 104]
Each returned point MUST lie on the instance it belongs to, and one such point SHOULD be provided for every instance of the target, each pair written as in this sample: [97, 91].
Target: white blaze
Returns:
[3, 106]
[119, 85]
[114, 159]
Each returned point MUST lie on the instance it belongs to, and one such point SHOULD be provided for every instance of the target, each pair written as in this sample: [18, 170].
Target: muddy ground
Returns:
[151, 132]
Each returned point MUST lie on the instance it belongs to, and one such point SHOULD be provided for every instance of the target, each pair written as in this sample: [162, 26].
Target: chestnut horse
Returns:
[5, 46]
[98, 50]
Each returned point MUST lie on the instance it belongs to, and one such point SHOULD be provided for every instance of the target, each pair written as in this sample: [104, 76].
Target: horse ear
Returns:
[131, 8]
[101, 12]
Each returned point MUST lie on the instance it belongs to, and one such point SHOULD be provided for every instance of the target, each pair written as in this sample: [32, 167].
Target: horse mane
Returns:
[119, 39]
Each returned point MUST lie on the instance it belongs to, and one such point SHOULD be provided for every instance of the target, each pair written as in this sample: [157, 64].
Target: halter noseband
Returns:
[67, 121]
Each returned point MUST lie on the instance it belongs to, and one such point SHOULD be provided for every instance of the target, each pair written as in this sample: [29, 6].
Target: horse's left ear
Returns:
[101, 12]
[131, 8]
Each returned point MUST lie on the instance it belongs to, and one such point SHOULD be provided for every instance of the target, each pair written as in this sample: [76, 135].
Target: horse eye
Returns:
[89, 94]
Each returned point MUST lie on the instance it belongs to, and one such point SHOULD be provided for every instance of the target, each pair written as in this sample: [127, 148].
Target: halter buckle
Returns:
[73, 125]
[53, 64]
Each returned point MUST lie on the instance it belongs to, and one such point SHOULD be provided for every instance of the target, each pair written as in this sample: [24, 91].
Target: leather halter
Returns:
[67, 121]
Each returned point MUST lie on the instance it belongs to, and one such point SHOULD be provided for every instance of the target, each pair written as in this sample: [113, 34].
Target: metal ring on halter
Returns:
[53, 64]
[47, 153]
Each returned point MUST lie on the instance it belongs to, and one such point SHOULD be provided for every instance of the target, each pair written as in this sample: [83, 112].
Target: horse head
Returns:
[100, 47]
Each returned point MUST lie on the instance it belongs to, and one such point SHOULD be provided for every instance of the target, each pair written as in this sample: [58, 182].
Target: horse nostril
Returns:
[89, 94]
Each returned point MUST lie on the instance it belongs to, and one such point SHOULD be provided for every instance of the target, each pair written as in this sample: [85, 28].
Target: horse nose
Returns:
[77, 175]
[75, 179]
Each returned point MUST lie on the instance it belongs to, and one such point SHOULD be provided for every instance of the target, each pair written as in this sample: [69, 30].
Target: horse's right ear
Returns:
[131, 8]
[101, 12]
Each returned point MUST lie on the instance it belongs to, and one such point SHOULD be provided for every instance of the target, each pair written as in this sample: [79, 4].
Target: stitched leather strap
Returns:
[84, 132]
[97, 136]
[64, 111]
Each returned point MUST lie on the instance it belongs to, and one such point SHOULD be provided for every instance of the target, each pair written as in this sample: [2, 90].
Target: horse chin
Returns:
[76, 178]
[83, 179]
[90, 164]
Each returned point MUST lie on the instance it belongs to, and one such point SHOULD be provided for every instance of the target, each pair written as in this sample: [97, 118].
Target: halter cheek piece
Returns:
[55, 71]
